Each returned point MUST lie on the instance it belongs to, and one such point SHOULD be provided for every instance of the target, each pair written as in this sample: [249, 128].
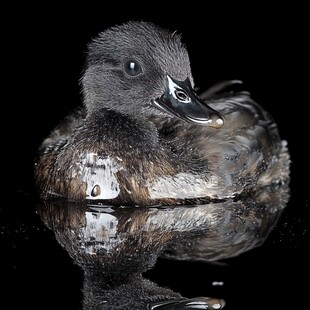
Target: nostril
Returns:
[181, 95]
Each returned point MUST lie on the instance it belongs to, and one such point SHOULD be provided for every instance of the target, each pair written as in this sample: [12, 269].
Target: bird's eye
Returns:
[132, 67]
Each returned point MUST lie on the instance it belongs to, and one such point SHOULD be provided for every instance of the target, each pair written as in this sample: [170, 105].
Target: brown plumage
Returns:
[144, 137]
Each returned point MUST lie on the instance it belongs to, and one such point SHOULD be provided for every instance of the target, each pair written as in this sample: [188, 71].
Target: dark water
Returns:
[45, 248]
[40, 252]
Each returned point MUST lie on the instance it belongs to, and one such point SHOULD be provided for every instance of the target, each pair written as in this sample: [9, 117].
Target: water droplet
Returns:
[96, 191]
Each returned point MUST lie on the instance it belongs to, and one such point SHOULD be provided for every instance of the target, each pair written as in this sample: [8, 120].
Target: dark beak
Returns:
[182, 101]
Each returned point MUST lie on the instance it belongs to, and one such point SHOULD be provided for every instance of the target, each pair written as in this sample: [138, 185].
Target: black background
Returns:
[42, 57]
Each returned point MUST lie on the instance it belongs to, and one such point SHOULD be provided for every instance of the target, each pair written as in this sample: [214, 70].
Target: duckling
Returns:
[144, 136]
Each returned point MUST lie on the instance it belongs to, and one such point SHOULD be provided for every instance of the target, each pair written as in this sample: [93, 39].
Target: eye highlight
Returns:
[132, 67]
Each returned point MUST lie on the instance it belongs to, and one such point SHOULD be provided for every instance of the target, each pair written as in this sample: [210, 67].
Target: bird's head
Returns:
[140, 69]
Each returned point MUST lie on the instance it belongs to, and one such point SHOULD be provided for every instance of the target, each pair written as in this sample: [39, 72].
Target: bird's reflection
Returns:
[115, 245]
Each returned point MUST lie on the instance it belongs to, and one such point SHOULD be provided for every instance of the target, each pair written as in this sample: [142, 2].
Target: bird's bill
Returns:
[180, 100]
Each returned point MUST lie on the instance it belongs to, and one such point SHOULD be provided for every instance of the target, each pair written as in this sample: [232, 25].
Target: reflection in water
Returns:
[115, 245]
